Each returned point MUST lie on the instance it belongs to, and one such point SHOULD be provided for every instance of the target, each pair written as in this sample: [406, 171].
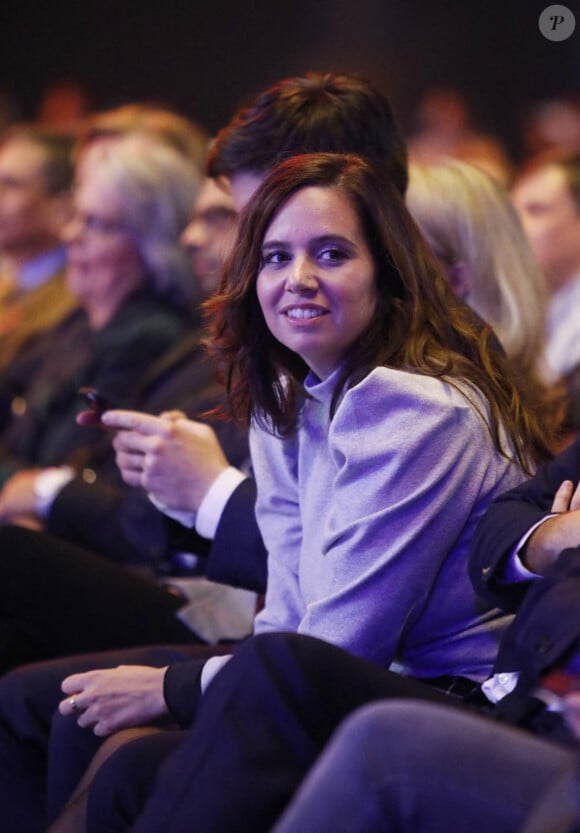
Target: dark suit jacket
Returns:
[507, 520]
[120, 522]
[27, 323]
[544, 635]
[237, 555]
[112, 359]
[545, 631]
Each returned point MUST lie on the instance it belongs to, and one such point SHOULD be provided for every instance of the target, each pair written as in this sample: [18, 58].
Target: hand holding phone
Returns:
[97, 405]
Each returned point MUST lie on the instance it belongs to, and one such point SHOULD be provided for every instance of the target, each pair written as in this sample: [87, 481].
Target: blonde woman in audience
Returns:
[473, 228]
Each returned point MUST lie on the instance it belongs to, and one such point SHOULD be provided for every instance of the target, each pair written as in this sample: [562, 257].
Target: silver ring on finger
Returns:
[75, 708]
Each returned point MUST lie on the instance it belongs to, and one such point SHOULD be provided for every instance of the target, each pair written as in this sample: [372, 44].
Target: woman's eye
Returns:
[332, 254]
[275, 257]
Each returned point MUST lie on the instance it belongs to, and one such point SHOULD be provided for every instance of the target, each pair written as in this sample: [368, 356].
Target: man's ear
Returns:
[458, 277]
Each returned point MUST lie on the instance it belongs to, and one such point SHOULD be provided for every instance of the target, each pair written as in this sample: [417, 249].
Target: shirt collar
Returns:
[35, 272]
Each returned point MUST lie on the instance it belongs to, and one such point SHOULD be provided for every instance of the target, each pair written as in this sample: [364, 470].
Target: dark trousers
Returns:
[42, 754]
[260, 726]
[57, 599]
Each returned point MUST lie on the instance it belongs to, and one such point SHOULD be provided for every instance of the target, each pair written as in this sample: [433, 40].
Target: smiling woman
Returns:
[382, 426]
[317, 285]
[378, 434]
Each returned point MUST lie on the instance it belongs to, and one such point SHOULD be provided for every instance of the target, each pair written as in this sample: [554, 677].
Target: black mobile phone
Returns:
[95, 400]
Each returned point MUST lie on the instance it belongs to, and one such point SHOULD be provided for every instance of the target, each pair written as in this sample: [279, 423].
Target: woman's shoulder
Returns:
[398, 403]
[393, 411]
[404, 386]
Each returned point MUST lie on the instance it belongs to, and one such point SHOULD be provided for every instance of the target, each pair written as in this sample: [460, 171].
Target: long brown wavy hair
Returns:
[418, 325]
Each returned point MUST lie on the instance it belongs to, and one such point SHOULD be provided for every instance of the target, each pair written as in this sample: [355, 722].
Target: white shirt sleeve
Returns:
[210, 510]
[184, 518]
[47, 485]
[515, 569]
[212, 667]
[213, 504]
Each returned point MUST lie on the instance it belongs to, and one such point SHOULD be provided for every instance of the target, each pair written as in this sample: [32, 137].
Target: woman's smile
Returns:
[304, 313]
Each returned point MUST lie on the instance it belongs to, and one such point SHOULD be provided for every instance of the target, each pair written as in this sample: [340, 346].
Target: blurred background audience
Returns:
[552, 125]
[134, 284]
[36, 173]
[474, 230]
[444, 127]
[64, 105]
[546, 194]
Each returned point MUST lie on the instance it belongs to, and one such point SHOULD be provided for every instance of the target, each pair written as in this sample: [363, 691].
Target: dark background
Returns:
[205, 57]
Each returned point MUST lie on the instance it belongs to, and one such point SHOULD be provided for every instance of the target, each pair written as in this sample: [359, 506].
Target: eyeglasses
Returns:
[93, 224]
[215, 216]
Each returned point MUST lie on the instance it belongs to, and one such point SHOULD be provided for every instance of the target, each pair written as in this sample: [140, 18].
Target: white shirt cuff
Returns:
[207, 517]
[515, 569]
[214, 501]
[213, 666]
[47, 485]
[184, 518]
[498, 686]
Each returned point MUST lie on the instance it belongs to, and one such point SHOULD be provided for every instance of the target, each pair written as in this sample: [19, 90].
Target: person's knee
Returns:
[389, 714]
[31, 691]
[383, 722]
[399, 726]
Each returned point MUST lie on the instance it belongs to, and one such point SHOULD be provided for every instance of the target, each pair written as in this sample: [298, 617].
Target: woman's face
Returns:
[317, 285]
[104, 265]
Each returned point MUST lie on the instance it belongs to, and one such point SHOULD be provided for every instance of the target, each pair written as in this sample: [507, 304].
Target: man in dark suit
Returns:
[525, 557]
[530, 523]
[102, 526]
[309, 687]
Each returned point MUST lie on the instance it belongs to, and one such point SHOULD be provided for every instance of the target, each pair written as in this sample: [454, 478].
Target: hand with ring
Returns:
[74, 706]
[115, 698]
